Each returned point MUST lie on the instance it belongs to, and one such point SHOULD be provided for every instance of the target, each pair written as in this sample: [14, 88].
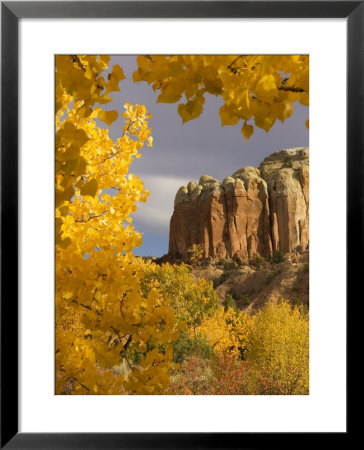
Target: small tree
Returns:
[278, 350]
[230, 303]
[196, 253]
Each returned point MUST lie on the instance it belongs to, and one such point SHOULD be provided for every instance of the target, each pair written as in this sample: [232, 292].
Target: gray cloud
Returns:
[153, 217]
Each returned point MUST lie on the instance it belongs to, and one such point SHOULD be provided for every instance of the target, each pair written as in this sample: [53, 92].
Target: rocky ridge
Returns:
[254, 212]
[253, 284]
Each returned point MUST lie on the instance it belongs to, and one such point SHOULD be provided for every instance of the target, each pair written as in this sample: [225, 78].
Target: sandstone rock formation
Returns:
[253, 212]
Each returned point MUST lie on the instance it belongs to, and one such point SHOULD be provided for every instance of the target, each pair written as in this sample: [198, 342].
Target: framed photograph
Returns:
[183, 295]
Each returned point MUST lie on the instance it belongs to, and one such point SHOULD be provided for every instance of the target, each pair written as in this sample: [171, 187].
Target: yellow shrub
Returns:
[190, 299]
[278, 350]
[226, 331]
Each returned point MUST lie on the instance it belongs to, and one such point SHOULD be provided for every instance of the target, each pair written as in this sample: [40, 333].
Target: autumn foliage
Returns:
[257, 89]
[274, 361]
[129, 326]
[102, 316]
[222, 350]
[278, 350]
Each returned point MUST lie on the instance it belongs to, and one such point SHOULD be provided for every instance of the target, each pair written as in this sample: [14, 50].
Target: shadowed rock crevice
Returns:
[256, 211]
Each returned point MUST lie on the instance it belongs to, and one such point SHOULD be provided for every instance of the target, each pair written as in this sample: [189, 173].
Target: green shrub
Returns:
[186, 346]
[278, 257]
[223, 277]
[256, 261]
[245, 300]
[287, 162]
[230, 303]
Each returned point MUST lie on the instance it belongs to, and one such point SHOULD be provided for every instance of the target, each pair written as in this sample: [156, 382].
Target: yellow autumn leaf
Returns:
[192, 109]
[118, 72]
[84, 111]
[228, 118]
[150, 141]
[88, 72]
[171, 93]
[114, 78]
[90, 188]
[247, 131]
[108, 116]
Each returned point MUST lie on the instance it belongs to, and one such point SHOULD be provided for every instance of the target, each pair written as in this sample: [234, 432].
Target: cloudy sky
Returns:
[184, 152]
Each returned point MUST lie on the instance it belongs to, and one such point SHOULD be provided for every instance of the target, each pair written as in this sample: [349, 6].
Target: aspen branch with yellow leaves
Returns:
[94, 236]
[257, 88]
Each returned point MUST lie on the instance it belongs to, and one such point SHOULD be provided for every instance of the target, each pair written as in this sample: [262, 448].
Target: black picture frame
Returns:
[11, 12]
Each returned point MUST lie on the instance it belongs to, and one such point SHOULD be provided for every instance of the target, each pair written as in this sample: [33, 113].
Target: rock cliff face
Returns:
[253, 212]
